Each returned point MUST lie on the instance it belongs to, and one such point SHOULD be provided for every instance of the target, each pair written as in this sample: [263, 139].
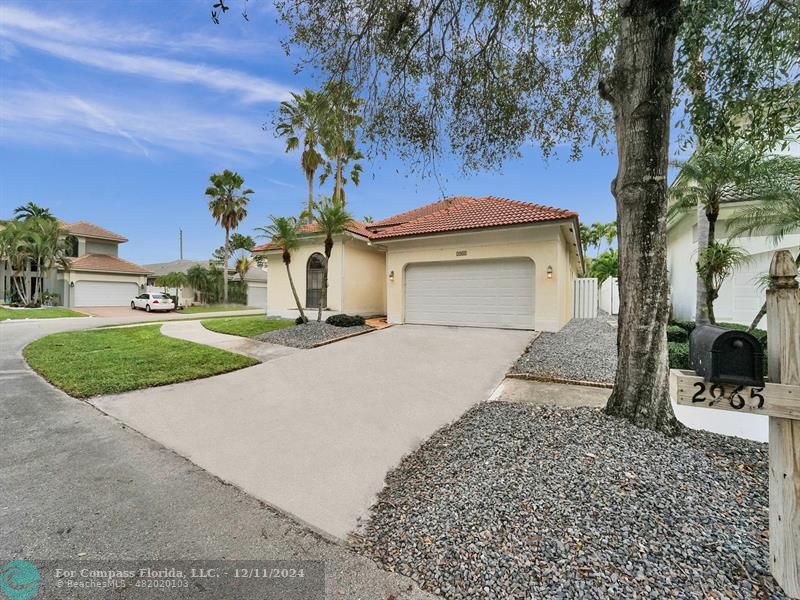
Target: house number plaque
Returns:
[461, 252]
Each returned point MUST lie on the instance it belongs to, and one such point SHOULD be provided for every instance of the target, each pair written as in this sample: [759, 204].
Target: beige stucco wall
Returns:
[364, 276]
[545, 245]
[101, 247]
[279, 294]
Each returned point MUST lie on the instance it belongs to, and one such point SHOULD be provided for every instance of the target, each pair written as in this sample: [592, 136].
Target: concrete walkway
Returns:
[76, 484]
[315, 432]
[193, 331]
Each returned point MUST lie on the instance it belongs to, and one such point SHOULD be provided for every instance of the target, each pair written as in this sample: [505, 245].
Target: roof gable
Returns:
[90, 230]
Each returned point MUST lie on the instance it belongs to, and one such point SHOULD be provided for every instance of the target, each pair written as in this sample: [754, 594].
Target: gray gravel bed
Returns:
[308, 335]
[513, 501]
[584, 350]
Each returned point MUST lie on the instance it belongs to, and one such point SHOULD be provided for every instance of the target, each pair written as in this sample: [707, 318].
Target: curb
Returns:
[545, 379]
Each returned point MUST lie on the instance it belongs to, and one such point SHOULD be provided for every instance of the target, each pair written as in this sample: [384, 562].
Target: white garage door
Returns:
[104, 293]
[480, 293]
[256, 296]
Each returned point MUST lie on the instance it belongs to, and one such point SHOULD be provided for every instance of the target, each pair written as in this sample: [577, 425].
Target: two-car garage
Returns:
[474, 293]
[104, 293]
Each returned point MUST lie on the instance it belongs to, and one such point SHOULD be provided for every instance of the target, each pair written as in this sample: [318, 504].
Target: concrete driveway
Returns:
[125, 312]
[315, 432]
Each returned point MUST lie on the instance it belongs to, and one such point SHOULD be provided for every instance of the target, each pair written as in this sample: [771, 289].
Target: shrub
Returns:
[678, 355]
[345, 320]
[687, 326]
[301, 320]
[676, 333]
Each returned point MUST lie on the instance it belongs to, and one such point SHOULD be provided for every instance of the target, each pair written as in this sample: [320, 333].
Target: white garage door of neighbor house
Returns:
[477, 293]
[104, 293]
[256, 296]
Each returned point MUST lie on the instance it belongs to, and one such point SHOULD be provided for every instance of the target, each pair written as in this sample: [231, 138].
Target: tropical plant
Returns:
[32, 239]
[338, 136]
[605, 265]
[716, 263]
[228, 206]
[302, 116]
[174, 280]
[282, 232]
[198, 278]
[594, 235]
[31, 209]
[775, 215]
[332, 219]
[725, 171]
[243, 265]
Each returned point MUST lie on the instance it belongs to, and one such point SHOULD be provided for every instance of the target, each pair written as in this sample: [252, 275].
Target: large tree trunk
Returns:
[640, 91]
[225, 268]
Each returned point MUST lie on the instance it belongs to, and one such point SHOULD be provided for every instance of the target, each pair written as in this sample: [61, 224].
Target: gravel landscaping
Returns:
[514, 501]
[584, 350]
[309, 335]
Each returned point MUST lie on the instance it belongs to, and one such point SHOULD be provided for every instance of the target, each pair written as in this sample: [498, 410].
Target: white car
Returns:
[150, 302]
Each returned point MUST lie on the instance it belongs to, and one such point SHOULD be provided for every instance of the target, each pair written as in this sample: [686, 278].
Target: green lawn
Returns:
[190, 310]
[246, 326]
[37, 313]
[108, 361]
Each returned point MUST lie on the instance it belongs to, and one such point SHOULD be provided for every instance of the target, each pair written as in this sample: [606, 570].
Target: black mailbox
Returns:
[726, 356]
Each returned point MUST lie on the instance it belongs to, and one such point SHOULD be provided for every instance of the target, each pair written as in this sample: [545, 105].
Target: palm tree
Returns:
[283, 234]
[706, 179]
[14, 251]
[332, 219]
[45, 245]
[715, 264]
[338, 133]
[176, 280]
[242, 266]
[604, 266]
[198, 278]
[228, 206]
[775, 215]
[302, 116]
[31, 209]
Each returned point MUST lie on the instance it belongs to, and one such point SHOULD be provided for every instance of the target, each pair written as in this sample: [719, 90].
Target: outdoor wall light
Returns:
[549, 272]
[391, 275]
[71, 284]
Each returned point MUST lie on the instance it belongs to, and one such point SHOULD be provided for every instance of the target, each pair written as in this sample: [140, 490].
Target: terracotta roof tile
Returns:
[451, 214]
[309, 229]
[105, 262]
[91, 230]
[475, 213]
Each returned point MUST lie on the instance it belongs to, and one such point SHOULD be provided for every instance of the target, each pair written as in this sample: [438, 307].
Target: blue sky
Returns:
[116, 113]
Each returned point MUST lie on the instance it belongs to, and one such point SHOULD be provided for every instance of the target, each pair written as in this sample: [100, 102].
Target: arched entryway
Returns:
[314, 269]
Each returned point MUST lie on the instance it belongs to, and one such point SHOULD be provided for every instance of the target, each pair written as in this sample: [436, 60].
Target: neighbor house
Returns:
[255, 278]
[96, 276]
[741, 295]
[483, 262]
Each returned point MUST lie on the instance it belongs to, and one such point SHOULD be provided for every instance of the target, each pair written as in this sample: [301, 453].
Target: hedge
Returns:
[676, 333]
[345, 320]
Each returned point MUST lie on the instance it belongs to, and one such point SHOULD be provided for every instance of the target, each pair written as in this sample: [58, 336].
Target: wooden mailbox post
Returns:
[780, 401]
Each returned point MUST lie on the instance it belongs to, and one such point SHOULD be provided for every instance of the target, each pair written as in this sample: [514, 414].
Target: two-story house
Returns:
[96, 276]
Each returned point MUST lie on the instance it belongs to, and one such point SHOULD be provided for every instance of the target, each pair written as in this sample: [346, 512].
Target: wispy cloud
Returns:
[66, 39]
[65, 119]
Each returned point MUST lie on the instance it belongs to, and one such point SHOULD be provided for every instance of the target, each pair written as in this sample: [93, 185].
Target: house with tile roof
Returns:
[462, 261]
[95, 276]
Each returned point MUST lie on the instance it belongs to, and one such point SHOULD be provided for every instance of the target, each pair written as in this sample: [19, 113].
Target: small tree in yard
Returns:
[332, 219]
[715, 264]
[198, 277]
[228, 206]
[488, 77]
[604, 266]
[282, 232]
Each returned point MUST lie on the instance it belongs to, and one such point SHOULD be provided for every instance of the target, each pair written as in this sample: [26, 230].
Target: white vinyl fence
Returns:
[609, 296]
[585, 302]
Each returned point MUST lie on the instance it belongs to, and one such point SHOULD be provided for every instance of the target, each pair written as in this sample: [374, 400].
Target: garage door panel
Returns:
[104, 293]
[492, 293]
